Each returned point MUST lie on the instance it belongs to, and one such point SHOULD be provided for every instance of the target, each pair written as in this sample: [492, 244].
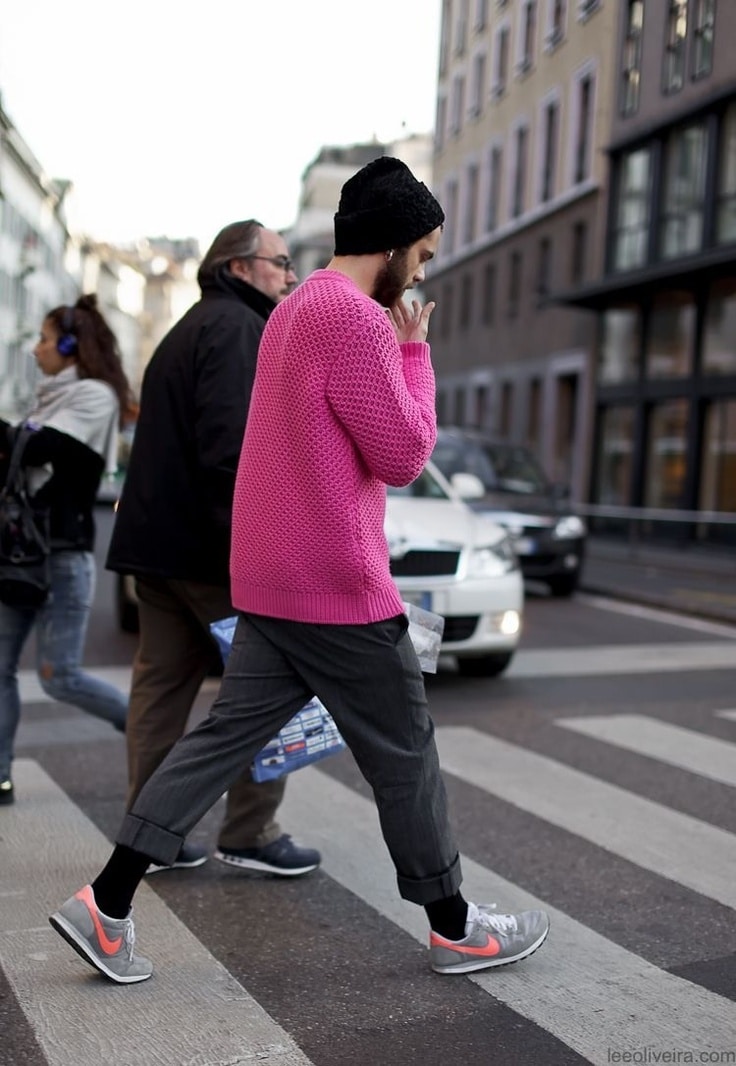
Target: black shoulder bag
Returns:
[25, 572]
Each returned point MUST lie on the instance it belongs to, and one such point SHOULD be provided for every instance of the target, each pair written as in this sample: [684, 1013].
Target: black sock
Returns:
[115, 887]
[448, 916]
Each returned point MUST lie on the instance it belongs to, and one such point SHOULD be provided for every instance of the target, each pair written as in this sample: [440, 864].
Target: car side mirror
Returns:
[468, 486]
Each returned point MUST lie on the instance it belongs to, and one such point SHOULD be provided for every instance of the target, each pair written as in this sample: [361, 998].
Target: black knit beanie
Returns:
[383, 206]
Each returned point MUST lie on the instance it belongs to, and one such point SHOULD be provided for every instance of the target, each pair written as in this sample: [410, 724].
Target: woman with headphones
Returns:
[81, 400]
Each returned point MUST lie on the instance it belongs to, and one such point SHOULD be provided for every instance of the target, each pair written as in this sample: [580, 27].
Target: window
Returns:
[439, 134]
[489, 294]
[673, 74]
[631, 60]
[466, 301]
[631, 228]
[534, 417]
[447, 304]
[705, 18]
[614, 473]
[450, 203]
[556, 19]
[514, 283]
[478, 84]
[481, 15]
[718, 463]
[579, 247]
[501, 61]
[471, 203]
[518, 184]
[457, 104]
[666, 451]
[583, 137]
[528, 36]
[670, 336]
[618, 355]
[494, 187]
[586, 8]
[507, 408]
[550, 126]
[681, 228]
[544, 267]
[719, 330]
[444, 35]
[726, 206]
[461, 27]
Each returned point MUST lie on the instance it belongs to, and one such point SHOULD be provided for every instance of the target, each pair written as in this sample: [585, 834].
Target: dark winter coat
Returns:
[173, 518]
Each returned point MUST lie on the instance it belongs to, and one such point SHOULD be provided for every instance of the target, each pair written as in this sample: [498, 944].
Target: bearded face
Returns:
[392, 281]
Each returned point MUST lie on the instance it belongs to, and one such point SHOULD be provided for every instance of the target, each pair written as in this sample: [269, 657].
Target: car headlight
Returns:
[568, 527]
[494, 559]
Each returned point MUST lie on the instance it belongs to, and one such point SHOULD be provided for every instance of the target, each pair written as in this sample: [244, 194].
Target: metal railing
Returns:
[636, 517]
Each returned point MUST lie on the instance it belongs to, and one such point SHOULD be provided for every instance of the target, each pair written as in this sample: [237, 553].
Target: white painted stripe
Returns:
[191, 1011]
[671, 744]
[589, 993]
[617, 659]
[651, 614]
[671, 844]
[119, 676]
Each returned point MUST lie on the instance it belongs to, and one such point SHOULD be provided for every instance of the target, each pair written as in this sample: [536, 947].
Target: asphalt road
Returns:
[595, 778]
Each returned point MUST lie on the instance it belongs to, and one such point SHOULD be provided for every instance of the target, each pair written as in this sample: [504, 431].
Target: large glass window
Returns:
[613, 480]
[549, 165]
[618, 359]
[684, 192]
[670, 336]
[494, 187]
[518, 195]
[632, 214]
[719, 332]
[726, 216]
[666, 455]
[718, 463]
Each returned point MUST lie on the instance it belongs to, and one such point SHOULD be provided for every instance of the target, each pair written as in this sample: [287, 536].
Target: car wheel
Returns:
[564, 585]
[487, 666]
[127, 608]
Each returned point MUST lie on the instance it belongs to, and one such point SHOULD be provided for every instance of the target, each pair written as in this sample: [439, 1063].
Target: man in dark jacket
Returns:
[172, 530]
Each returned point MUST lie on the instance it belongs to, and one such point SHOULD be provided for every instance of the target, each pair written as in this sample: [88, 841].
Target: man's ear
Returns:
[240, 269]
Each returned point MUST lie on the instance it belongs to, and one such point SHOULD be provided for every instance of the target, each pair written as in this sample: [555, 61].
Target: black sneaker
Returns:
[189, 856]
[6, 792]
[282, 857]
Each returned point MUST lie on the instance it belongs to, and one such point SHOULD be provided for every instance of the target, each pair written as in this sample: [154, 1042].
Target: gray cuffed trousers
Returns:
[369, 678]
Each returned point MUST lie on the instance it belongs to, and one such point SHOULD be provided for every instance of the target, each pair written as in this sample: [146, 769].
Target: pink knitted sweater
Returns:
[339, 410]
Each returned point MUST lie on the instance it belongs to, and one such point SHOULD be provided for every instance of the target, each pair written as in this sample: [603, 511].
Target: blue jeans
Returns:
[61, 628]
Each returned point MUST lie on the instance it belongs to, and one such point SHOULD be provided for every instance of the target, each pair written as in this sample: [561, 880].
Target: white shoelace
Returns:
[500, 923]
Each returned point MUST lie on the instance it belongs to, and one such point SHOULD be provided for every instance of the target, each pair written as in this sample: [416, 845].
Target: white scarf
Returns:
[86, 409]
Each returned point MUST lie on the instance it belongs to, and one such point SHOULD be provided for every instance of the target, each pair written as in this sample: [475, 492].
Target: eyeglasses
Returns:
[281, 261]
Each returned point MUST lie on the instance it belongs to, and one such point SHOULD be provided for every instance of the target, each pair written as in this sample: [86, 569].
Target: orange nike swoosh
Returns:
[490, 948]
[86, 896]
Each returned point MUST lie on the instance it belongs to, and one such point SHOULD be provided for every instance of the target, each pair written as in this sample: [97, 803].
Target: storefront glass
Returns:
[666, 455]
[618, 357]
[719, 332]
[613, 479]
[670, 336]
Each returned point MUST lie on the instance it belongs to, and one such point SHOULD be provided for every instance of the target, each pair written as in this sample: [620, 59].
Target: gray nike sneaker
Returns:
[490, 940]
[105, 943]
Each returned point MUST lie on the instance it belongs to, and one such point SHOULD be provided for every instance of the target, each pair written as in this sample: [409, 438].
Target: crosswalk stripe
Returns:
[627, 825]
[192, 1010]
[609, 659]
[587, 991]
[671, 744]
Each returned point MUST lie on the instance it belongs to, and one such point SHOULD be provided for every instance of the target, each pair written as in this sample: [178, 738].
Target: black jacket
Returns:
[70, 492]
[174, 515]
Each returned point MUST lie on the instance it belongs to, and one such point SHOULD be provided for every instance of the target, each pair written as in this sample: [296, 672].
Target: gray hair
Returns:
[236, 241]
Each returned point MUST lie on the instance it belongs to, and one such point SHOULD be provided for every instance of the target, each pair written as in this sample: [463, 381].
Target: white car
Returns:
[459, 564]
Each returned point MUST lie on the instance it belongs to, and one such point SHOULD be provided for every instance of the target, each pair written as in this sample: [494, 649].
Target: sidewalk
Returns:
[694, 580]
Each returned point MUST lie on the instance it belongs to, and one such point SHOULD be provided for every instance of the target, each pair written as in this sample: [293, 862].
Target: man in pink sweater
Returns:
[342, 405]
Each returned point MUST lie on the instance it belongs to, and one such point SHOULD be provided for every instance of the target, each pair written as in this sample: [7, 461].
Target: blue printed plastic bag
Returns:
[309, 736]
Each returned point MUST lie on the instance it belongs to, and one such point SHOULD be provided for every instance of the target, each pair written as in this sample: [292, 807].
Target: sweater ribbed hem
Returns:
[326, 608]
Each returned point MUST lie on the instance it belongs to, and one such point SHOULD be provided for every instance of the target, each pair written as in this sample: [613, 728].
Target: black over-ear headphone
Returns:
[67, 342]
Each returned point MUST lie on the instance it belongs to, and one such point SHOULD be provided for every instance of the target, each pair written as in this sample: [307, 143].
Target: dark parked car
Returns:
[548, 536]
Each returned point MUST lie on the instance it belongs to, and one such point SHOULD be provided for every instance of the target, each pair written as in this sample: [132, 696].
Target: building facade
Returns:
[523, 114]
[665, 372]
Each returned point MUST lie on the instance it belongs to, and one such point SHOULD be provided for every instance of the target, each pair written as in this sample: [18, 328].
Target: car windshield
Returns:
[426, 486]
[501, 467]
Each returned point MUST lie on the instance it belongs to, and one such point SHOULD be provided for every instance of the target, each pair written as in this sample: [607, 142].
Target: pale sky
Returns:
[173, 121]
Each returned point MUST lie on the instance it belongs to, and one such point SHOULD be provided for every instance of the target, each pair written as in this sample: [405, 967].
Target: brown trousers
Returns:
[174, 656]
